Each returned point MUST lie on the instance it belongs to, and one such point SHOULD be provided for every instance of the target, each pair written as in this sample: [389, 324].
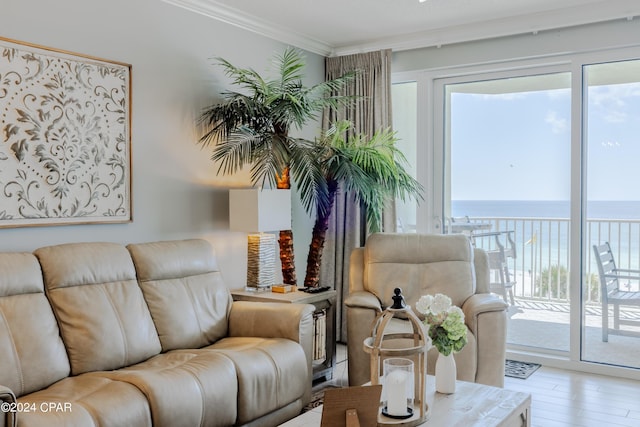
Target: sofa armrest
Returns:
[486, 317]
[7, 419]
[356, 270]
[362, 309]
[481, 266]
[363, 299]
[478, 304]
[271, 320]
[276, 320]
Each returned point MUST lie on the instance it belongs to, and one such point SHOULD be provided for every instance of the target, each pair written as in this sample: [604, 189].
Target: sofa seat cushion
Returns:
[185, 388]
[272, 373]
[85, 401]
[466, 359]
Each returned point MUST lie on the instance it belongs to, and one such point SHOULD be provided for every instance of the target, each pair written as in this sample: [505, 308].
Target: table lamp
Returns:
[257, 211]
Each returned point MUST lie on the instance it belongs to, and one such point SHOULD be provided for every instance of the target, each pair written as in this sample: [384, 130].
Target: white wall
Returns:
[176, 192]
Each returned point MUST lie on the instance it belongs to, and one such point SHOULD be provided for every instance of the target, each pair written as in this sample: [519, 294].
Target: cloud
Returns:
[558, 124]
[610, 144]
[615, 116]
[612, 101]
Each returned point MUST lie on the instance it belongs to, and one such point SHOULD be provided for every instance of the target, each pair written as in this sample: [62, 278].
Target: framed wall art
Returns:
[65, 137]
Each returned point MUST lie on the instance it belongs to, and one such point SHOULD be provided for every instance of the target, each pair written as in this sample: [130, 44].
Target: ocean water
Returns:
[543, 209]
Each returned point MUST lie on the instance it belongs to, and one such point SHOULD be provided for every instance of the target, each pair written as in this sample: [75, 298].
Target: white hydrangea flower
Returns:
[456, 309]
[424, 304]
[441, 303]
[445, 321]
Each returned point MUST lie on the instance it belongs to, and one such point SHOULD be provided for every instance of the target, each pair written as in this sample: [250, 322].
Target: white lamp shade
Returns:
[252, 210]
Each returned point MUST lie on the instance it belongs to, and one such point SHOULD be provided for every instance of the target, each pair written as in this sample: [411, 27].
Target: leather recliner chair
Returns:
[422, 264]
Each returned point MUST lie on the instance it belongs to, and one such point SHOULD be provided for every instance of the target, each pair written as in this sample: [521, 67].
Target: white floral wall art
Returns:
[64, 137]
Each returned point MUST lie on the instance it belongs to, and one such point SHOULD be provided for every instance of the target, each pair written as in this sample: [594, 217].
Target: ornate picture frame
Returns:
[65, 137]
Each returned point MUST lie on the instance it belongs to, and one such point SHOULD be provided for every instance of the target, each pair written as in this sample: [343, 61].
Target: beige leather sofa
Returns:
[99, 334]
[420, 265]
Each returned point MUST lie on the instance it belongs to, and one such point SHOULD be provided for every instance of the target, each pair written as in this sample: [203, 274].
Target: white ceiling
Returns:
[332, 27]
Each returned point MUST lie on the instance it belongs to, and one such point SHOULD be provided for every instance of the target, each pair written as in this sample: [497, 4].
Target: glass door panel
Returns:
[612, 140]
[405, 123]
[507, 185]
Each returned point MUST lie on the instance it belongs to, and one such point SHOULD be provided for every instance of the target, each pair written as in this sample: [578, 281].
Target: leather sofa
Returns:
[421, 265]
[99, 334]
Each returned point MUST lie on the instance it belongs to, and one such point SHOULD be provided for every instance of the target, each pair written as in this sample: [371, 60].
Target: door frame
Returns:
[431, 173]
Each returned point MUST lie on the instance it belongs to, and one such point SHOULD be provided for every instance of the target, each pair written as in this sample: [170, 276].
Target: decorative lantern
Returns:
[403, 359]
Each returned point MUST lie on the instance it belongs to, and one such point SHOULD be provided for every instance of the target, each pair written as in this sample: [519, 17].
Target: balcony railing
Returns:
[541, 266]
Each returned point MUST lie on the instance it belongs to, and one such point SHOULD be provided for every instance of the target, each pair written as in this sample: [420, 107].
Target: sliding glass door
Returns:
[612, 192]
[507, 147]
[539, 164]
[405, 124]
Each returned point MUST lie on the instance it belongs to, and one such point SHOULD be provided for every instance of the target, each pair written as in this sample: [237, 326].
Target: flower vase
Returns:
[445, 374]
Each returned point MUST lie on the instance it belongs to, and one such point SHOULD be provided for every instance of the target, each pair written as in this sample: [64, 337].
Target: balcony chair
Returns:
[610, 277]
[423, 264]
[502, 282]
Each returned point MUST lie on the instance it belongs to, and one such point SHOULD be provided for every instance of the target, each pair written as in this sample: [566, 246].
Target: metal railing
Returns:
[541, 265]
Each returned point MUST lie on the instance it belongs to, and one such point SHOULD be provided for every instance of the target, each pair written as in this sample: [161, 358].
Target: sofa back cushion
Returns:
[32, 355]
[103, 318]
[182, 284]
[419, 264]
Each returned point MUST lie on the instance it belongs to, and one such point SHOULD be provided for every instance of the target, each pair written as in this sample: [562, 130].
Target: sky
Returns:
[516, 146]
[510, 147]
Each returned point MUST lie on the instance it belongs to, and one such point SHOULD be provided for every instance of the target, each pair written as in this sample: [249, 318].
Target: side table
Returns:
[324, 321]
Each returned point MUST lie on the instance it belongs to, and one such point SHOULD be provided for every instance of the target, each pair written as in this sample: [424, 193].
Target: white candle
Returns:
[396, 384]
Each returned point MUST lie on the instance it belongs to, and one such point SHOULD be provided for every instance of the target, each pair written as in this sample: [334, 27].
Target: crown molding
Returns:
[254, 24]
[522, 24]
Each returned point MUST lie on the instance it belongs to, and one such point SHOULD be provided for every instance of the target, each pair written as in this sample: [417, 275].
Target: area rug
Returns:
[516, 369]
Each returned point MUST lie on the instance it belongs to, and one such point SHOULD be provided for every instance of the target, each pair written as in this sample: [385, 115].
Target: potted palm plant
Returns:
[372, 169]
[251, 127]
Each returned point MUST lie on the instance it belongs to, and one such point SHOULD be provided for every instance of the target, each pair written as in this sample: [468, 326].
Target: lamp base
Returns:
[261, 261]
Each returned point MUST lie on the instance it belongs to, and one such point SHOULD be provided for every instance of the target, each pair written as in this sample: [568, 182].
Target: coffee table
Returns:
[471, 405]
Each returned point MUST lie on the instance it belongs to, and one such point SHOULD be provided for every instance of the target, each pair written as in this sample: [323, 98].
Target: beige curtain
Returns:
[370, 112]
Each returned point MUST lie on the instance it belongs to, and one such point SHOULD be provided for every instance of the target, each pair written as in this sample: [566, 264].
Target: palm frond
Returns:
[373, 169]
[266, 168]
[307, 173]
[246, 78]
[327, 94]
[236, 150]
[291, 65]
[222, 119]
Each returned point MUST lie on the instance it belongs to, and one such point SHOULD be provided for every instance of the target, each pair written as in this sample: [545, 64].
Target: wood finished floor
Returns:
[562, 398]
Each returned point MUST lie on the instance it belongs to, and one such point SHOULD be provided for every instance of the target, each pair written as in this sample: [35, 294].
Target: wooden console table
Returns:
[325, 312]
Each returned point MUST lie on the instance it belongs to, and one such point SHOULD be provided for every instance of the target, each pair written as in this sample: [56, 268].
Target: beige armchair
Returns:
[422, 264]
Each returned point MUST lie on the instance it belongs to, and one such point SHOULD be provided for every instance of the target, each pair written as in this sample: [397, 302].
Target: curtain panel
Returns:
[371, 111]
